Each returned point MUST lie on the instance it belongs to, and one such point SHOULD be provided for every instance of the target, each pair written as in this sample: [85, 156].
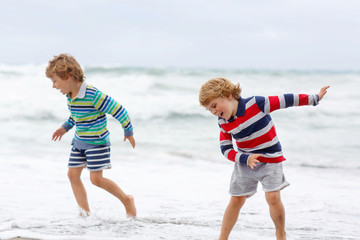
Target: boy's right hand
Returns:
[252, 161]
[58, 134]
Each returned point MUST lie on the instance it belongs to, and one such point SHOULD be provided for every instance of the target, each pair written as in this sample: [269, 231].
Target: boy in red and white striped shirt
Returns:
[258, 154]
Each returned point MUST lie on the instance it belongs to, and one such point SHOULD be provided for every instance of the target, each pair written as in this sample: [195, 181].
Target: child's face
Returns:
[61, 84]
[222, 107]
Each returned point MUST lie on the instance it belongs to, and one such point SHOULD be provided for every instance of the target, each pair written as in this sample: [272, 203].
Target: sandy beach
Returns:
[177, 173]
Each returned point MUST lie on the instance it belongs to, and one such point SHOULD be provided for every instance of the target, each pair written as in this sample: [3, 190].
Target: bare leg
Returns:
[78, 188]
[277, 213]
[97, 179]
[231, 215]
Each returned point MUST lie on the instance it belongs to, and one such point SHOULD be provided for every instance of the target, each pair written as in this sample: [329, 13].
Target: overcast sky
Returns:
[264, 34]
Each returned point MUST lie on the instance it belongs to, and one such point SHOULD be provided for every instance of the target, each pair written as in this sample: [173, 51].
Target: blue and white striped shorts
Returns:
[95, 159]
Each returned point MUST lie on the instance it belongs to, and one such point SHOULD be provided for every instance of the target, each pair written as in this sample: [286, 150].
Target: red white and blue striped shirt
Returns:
[253, 129]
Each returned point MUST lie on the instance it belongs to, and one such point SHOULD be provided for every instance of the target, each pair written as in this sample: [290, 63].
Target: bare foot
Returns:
[83, 213]
[130, 206]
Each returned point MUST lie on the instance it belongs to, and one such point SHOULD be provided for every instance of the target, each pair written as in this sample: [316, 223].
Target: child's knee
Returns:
[73, 175]
[273, 198]
[95, 179]
[238, 200]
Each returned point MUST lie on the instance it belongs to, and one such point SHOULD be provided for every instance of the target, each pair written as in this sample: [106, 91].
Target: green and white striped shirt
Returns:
[88, 113]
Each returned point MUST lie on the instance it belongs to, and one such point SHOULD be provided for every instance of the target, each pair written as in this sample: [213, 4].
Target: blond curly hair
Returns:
[218, 87]
[63, 66]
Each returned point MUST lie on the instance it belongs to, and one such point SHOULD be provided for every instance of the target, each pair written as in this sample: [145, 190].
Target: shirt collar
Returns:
[82, 90]
[240, 110]
[241, 107]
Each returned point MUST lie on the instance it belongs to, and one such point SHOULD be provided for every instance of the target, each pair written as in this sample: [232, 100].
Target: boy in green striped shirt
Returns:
[91, 144]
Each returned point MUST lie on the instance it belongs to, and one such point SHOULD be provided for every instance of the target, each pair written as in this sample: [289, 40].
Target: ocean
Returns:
[177, 173]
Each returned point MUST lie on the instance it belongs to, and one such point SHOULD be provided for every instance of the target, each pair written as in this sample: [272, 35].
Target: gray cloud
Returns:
[194, 33]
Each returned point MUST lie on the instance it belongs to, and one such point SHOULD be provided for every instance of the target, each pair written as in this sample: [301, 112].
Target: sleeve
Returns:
[69, 124]
[107, 104]
[227, 149]
[272, 103]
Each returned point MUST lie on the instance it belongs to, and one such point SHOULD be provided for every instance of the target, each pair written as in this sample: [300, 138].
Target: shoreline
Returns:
[319, 217]
[21, 238]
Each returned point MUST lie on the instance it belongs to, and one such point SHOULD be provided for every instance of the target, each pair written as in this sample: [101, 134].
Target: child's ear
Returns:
[229, 97]
[67, 77]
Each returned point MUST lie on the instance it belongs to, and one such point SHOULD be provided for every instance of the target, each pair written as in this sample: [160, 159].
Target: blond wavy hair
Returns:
[218, 87]
[63, 66]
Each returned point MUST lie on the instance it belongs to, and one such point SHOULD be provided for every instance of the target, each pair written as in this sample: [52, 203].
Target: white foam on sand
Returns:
[175, 201]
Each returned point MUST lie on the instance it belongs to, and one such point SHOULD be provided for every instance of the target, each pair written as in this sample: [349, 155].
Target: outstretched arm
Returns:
[322, 92]
[272, 103]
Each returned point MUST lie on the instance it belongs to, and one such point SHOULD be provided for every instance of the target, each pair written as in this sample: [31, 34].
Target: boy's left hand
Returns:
[131, 140]
[322, 92]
